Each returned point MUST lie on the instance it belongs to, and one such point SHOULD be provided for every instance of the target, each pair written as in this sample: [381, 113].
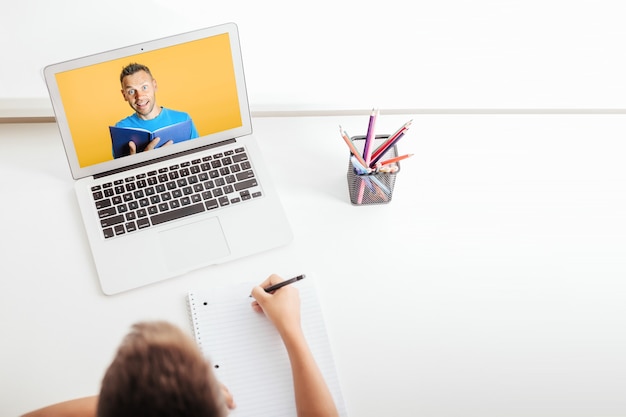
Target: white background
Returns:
[328, 55]
[491, 285]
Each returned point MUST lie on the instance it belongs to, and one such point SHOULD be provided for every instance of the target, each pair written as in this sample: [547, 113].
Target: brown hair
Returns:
[159, 372]
[130, 69]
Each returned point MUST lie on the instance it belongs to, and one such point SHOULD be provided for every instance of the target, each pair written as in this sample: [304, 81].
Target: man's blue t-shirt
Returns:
[165, 118]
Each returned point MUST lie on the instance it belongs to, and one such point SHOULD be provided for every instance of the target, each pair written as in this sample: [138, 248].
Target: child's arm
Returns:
[80, 407]
[313, 398]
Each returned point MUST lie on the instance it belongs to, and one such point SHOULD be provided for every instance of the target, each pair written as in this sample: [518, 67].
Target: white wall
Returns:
[328, 55]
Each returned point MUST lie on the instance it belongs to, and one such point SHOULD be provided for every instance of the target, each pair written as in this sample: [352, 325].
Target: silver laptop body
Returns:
[140, 228]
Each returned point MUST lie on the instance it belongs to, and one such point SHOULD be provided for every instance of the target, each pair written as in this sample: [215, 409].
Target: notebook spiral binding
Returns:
[193, 316]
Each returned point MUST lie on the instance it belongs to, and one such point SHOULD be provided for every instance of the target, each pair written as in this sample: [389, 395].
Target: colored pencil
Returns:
[359, 168]
[396, 159]
[389, 146]
[350, 144]
[359, 199]
[378, 152]
[380, 184]
[369, 138]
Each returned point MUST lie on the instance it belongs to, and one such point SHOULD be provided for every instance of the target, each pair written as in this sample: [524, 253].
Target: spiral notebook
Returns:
[247, 353]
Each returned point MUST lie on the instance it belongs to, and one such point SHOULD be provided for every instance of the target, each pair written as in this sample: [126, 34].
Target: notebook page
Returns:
[247, 353]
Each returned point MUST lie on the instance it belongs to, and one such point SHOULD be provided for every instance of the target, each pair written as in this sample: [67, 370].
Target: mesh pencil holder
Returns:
[374, 188]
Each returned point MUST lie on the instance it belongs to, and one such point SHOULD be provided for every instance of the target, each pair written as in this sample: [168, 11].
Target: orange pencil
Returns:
[396, 159]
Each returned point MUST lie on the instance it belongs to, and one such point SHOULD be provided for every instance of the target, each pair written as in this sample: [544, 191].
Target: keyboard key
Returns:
[240, 157]
[112, 221]
[245, 175]
[107, 212]
[142, 223]
[211, 204]
[158, 196]
[177, 214]
[246, 184]
[103, 203]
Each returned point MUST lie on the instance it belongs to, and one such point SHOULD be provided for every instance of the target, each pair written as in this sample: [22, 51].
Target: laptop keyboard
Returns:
[159, 196]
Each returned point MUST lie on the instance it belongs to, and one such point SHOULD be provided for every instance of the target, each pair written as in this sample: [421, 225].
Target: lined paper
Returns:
[247, 352]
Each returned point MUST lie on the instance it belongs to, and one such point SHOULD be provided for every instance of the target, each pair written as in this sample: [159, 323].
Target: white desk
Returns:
[492, 285]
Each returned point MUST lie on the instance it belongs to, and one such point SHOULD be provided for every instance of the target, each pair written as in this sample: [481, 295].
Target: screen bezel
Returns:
[79, 171]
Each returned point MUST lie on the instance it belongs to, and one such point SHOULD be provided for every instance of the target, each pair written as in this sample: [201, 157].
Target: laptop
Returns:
[160, 211]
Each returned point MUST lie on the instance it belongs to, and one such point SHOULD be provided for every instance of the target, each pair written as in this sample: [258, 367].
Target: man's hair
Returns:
[130, 69]
[159, 372]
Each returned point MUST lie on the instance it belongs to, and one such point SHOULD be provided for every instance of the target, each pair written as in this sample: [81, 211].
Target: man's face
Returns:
[139, 91]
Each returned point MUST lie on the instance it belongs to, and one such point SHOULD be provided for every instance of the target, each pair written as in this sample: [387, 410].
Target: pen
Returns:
[283, 283]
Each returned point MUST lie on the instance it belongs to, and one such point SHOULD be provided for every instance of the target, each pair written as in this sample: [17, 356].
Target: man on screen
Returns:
[139, 90]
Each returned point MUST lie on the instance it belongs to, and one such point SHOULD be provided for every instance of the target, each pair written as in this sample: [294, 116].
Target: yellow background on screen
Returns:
[203, 86]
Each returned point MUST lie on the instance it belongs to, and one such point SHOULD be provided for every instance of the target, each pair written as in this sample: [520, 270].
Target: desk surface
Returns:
[492, 284]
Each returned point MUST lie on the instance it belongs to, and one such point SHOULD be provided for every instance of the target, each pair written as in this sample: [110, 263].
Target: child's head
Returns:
[159, 371]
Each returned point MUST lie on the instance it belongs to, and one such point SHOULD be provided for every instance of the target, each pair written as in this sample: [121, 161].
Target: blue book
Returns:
[121, 136]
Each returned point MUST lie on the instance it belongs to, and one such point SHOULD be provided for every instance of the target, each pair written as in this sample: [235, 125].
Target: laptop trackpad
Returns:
[193, 245]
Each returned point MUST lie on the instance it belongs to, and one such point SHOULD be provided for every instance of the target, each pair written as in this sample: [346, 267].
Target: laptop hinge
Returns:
[164, 158]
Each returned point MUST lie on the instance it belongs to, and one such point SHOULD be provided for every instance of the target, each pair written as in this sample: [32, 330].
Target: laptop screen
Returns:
[196, 76]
